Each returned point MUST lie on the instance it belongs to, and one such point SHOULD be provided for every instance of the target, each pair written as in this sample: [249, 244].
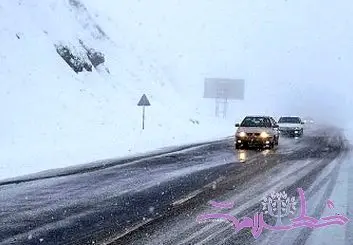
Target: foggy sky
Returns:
[295, 55]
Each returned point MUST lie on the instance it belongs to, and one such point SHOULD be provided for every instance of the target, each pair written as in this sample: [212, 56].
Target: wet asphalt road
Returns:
[154, 200]
[312, 163]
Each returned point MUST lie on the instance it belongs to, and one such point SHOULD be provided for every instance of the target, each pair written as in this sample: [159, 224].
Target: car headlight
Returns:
[242, 134]
[264, 135]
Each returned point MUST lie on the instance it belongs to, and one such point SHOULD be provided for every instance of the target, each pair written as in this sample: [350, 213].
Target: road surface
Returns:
[156, 199]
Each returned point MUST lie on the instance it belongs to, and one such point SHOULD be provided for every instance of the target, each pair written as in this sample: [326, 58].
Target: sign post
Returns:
[143, 102]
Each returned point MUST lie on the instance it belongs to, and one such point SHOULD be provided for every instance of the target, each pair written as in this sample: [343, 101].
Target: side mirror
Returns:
[237, 125]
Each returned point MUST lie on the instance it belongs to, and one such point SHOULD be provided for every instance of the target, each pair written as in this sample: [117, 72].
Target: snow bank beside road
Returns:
[106, 147]
[53, 117]
[341, 193]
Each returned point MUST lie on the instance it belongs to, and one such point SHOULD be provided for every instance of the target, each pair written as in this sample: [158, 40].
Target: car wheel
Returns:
[272, 144]
[237, 146]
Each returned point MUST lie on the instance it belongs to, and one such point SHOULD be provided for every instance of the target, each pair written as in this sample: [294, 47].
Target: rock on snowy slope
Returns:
[55, 117]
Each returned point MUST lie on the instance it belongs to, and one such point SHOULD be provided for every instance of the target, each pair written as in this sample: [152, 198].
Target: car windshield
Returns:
[255, 122]
[289, 120]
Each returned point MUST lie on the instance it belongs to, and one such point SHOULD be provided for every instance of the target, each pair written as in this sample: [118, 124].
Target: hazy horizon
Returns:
[294, 54]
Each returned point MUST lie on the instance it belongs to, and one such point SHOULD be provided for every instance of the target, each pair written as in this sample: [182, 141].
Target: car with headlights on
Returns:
[291, 126]
[257, 131]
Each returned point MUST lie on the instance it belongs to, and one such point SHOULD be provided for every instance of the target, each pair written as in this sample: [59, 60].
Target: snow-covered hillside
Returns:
[53, 117]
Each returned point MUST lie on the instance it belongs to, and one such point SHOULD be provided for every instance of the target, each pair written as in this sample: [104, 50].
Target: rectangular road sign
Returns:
[224, 88]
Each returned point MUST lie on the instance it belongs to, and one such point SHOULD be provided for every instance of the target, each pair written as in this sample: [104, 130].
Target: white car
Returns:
[291, 126]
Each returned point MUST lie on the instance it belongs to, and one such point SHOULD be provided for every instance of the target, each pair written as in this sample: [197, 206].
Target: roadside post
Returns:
[143, 102]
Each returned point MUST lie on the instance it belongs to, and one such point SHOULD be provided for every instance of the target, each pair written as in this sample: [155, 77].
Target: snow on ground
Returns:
[53, 117]
[336, 234]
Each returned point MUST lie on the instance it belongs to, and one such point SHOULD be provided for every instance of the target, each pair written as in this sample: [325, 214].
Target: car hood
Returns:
[253, 130]
[290, 125]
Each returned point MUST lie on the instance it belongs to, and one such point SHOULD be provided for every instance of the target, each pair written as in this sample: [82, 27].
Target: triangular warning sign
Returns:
[144, 101]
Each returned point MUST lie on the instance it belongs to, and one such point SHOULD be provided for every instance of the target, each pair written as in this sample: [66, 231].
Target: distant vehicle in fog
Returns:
[308, 120]
[291, 126]
[258, 131]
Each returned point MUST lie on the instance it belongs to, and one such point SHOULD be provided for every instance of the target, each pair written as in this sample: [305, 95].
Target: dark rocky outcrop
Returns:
[194, 121]
[87, 58]
[77, 63]
[94, 56]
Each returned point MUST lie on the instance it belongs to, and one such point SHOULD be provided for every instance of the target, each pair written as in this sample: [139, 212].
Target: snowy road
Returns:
[319, 164]
[166, 193]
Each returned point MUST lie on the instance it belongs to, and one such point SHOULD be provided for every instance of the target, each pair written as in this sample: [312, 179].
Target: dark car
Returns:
[258, 131]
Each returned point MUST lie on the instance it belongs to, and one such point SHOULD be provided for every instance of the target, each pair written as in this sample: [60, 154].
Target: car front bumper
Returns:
[291, 131]
[253, 141]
